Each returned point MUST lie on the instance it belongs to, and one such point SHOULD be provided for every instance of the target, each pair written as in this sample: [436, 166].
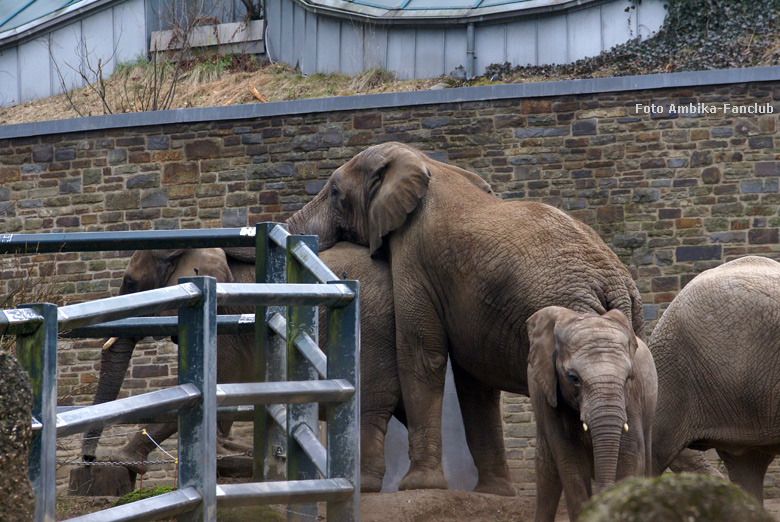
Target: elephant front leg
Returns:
[548, 482]
[422, 365]
[480, 406]
[139, 446]
[747, 470]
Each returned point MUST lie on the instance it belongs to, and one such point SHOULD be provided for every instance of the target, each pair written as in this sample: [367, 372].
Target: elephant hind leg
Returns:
[693, 461]
[139, 446]
[480, 406]
[748, 470]
[422, 368]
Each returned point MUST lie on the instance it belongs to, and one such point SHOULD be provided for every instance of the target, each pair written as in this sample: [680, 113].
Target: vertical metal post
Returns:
[37, 354]
[198, 425]
[344, 417]
[300, 319]
[270, 441]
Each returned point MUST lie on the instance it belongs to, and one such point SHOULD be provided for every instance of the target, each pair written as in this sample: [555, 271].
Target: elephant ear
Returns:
[542, 352]
[397, 179]
[166, 265]
[618, 317]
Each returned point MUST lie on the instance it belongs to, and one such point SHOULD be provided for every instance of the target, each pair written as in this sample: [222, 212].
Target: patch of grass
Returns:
[146, 493]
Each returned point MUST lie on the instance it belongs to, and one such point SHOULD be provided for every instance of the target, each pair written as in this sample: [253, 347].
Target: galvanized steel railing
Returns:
[288, 363]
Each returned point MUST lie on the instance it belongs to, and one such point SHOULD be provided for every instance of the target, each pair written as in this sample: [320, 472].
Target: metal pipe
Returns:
[470, 50]
[270, 294]
[159, 326]
[284, 392]
[127, 409]
[126, 240]
[304, 343]
[155, 508]
[240, 495]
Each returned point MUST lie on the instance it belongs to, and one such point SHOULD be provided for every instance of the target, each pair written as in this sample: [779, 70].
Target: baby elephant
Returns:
[593, 388]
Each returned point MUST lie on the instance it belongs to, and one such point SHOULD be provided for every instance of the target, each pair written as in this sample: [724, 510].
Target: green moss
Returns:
[146, 493]
[681, 497]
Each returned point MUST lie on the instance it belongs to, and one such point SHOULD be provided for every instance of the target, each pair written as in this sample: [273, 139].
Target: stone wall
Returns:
[673, 194]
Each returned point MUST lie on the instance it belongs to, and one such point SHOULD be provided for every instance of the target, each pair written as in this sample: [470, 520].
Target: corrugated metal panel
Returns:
[351, 48]
[129, 31]
[490, 46]
[428, 61]
[35, 69]
[521, 42]
[454, 49]
[328, 44]
[9, 77]
[616, 27]
[299, 31]
[551, 40]
[376, 47]
[66, 57]
[401, 51]
[98, 34]
[650, 16]
[584, 33]
[309, 65]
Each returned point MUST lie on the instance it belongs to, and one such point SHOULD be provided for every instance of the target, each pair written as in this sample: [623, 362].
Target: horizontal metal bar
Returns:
[304, 343]
[127, 240]
[283, 294]
[226, 413]
[123, 410]
[284, 392]
[19, 321]
[279, 235]
[290, 492]
[154, 508]
[308, 441]
[120, 307]
[36, 424]
[160, 326]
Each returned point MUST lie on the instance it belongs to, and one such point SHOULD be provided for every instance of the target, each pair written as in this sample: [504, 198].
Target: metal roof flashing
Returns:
[442, 11]
[57, 12]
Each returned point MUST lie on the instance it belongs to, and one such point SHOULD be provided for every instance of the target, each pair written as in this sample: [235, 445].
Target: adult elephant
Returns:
[717, 351]
[380, 388]
[468, 271]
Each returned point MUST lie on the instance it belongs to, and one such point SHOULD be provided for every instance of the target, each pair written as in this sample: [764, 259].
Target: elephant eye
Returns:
[573, 378]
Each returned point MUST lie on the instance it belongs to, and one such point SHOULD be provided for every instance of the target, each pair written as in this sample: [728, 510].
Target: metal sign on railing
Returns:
[285, 350]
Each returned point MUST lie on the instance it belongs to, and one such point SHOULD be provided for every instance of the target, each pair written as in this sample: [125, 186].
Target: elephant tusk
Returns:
[584, 427]
[625, 427]
[110, 343]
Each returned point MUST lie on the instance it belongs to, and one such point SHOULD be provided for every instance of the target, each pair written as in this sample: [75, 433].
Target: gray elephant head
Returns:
[371, 195]
[586, 361]
[147, 270]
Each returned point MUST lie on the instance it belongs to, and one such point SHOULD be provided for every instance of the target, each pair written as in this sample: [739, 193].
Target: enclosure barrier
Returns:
[286, 349]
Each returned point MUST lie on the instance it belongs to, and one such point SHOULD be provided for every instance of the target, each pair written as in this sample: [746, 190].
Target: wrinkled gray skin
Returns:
[468, 271]
[380, 388]
[717, 351]
[587, 370]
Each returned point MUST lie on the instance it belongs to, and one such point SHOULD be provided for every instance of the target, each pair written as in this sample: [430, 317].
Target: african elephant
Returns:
[588, 376]
[717, 350]
[380, 388]
[468, 270]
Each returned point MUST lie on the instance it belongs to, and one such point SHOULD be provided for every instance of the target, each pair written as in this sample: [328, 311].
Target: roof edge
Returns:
[50, 21]
[397, 99]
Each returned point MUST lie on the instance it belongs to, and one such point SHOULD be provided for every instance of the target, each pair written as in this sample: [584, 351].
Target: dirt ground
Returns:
[403, 506]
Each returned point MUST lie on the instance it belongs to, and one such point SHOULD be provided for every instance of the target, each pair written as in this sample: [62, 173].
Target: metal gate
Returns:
[288, 364]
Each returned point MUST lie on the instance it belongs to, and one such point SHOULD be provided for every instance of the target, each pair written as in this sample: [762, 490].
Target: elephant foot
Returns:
[370, 483]
[495, 486]
[423, 479]
[226, 447]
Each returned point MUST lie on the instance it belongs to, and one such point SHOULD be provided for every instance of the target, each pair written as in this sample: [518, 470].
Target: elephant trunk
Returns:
[606, 425]
[113, 365]
[315, 218]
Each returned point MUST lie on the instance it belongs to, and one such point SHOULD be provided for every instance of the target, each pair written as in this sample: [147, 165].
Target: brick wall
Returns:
[672, 194]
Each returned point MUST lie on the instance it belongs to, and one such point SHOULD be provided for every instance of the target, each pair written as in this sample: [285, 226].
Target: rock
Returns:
[439, 86]
[675, 496]
[17, 500]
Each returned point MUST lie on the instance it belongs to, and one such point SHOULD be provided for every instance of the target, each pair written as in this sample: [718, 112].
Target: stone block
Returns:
[367, 121]
[698, 253]
[202, 149]
[180, 173]
[763, 236]
[767, 168]
[645, 195]
[583, 128]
